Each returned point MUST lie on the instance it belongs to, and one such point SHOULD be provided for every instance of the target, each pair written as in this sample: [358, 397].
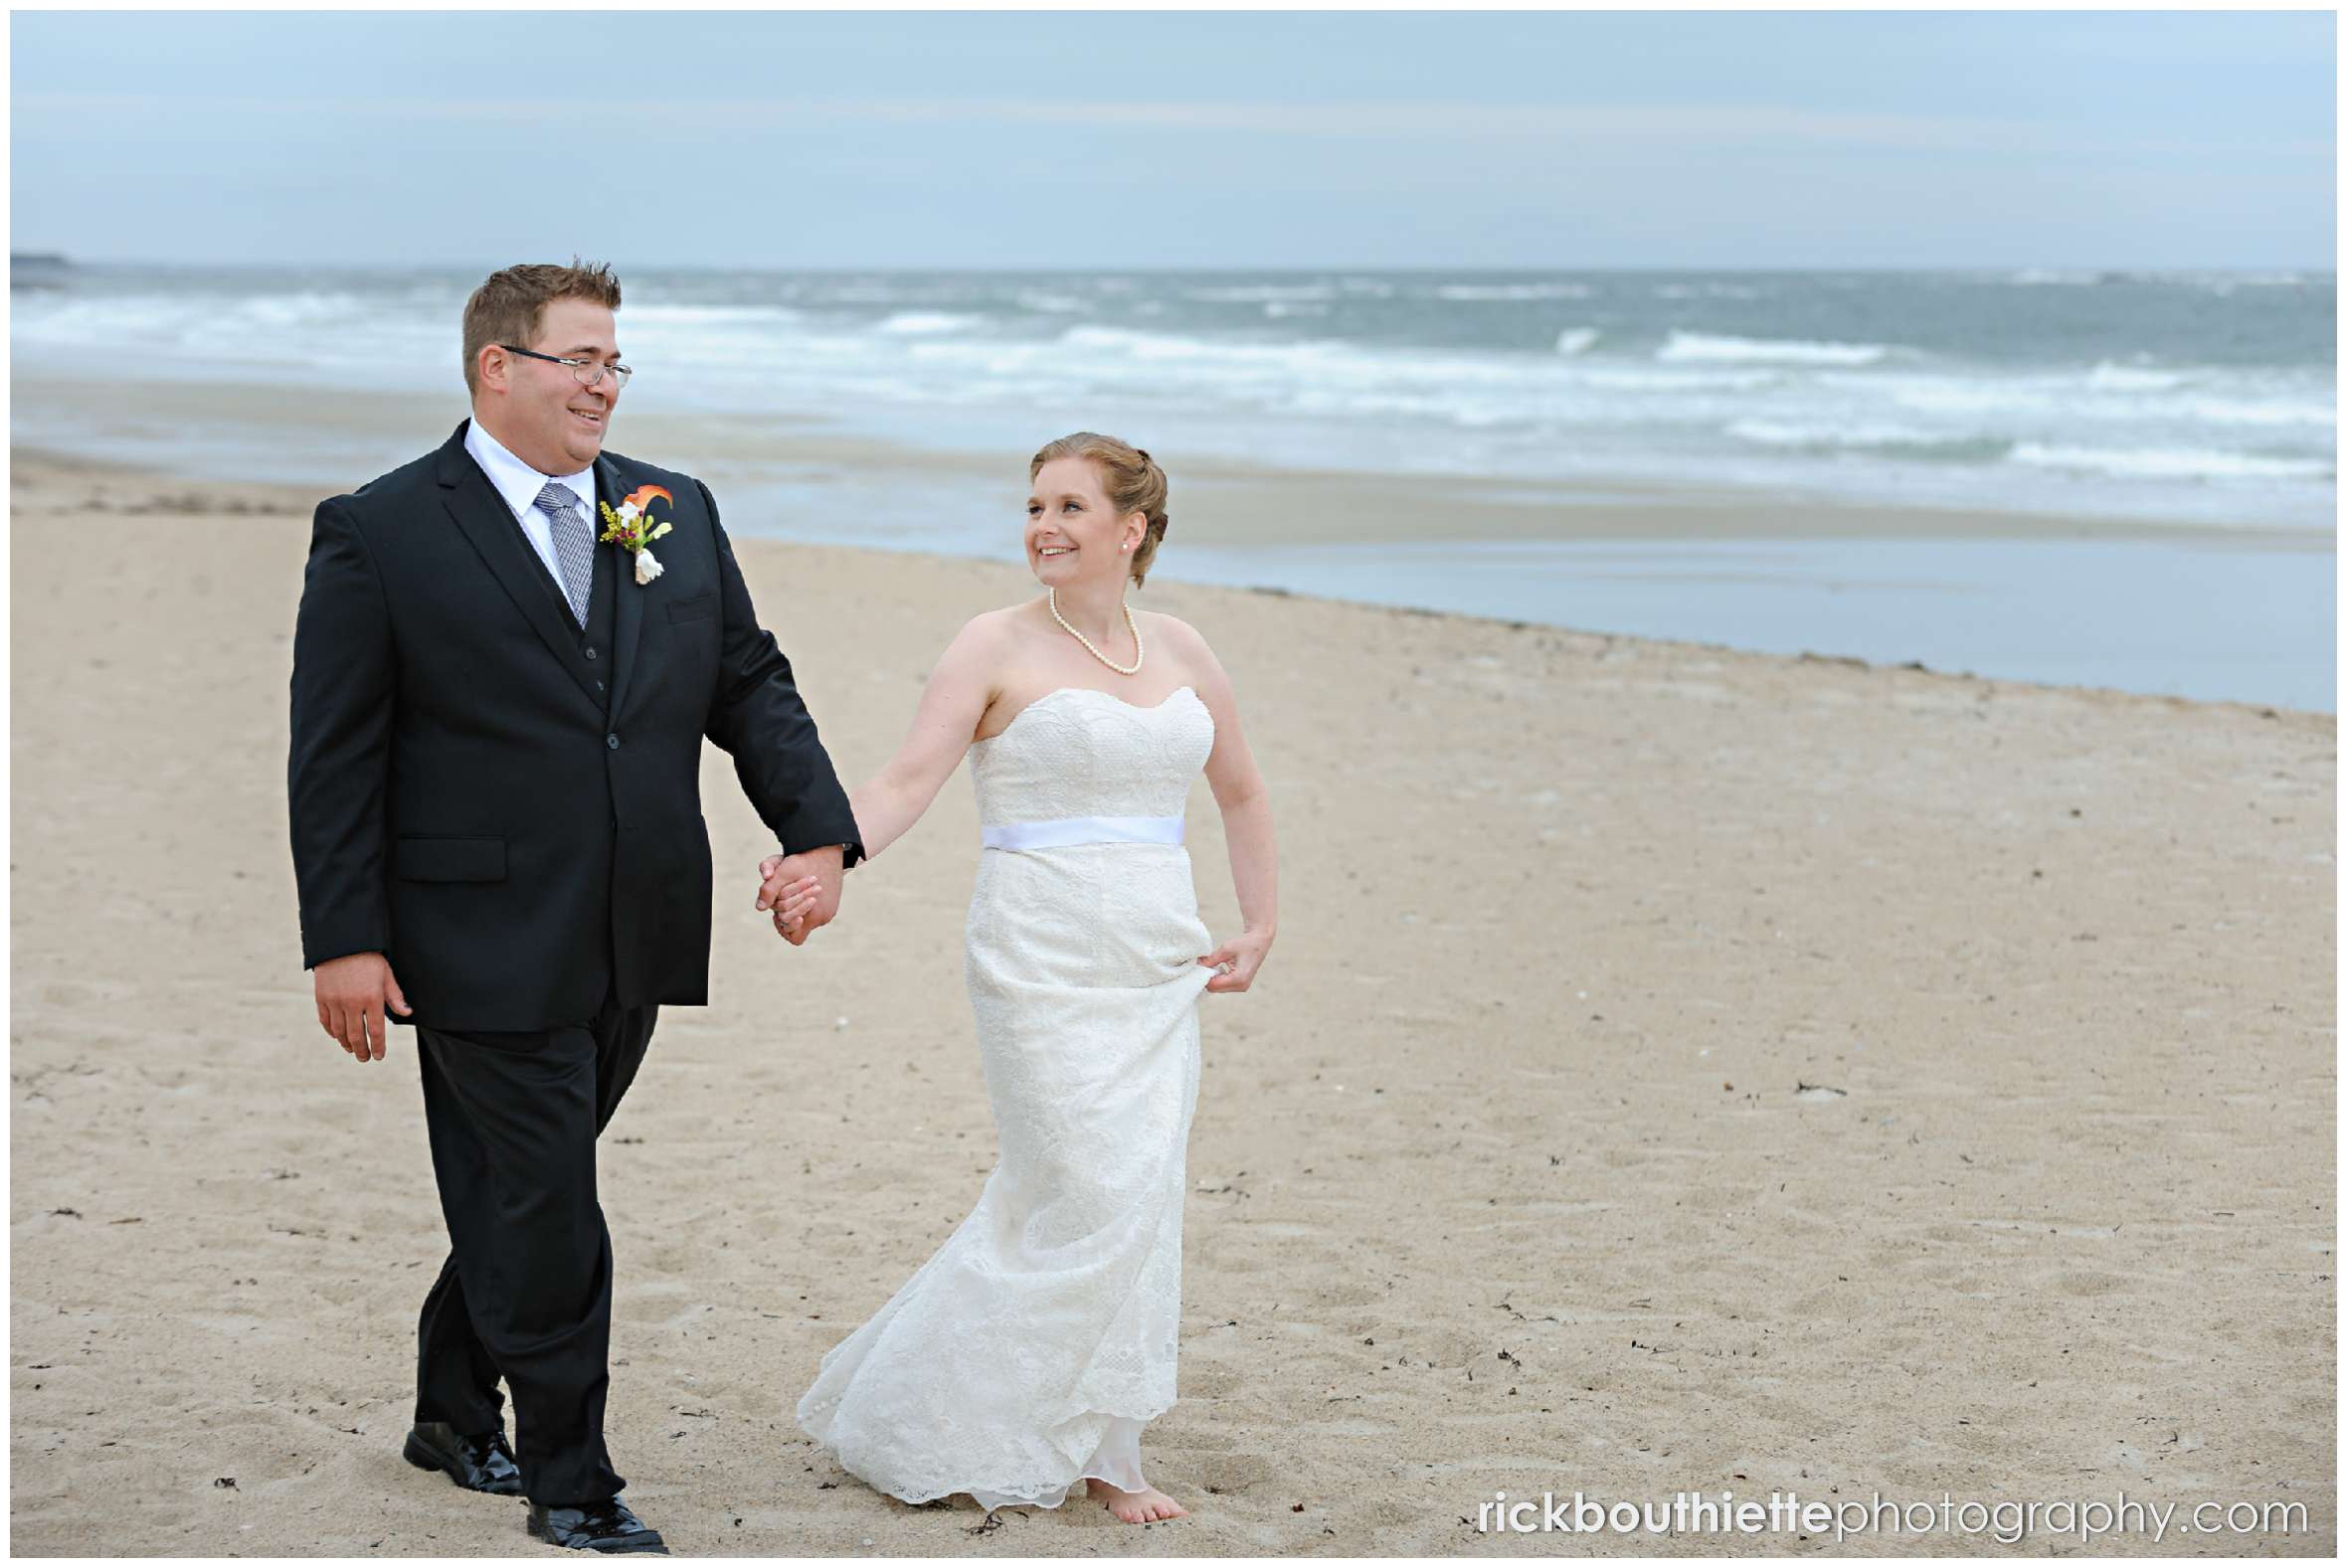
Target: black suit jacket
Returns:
[468, 802]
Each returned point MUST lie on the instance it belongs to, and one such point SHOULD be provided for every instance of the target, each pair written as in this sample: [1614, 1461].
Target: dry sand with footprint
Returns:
[1679, 1069]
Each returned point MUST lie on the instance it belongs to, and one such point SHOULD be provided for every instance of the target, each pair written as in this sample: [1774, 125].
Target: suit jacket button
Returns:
[611, 741]
[590, 654]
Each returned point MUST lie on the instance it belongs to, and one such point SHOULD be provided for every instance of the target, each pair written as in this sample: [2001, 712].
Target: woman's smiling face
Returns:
[1071, 531]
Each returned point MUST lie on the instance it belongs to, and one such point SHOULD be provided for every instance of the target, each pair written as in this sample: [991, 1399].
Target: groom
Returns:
[498, 837]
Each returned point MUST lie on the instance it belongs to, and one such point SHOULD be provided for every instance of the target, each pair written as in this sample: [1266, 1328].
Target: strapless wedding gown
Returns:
[1028, 1352]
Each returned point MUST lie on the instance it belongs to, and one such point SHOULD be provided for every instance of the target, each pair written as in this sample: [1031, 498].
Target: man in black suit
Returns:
[494, 785]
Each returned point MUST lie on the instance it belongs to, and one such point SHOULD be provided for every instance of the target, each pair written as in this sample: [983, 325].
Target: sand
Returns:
[1679, 1069]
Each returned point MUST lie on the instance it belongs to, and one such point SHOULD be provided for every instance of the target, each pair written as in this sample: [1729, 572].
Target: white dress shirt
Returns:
[519, 484]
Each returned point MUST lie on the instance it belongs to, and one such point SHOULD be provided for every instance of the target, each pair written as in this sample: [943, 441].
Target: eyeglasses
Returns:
[586, 372]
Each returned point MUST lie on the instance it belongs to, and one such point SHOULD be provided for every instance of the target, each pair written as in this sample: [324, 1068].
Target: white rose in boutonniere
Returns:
[627, 525]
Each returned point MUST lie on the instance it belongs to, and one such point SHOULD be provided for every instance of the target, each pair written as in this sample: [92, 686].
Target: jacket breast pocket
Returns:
[698, 608]
[448, 860]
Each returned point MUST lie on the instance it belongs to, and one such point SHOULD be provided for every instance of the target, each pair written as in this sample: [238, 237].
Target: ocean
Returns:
[2193, 398]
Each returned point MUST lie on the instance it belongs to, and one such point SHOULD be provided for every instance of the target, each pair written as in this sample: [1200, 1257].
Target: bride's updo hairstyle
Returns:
[1132, 481]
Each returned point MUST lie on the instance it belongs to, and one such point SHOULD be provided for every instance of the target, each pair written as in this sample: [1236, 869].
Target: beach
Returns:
[1679, 1069]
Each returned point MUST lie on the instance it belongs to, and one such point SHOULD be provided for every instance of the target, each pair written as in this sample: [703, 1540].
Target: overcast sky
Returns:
[1172, 139]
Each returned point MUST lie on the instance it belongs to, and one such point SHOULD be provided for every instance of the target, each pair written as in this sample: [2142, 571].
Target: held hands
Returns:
[802, 890]
[353, 994]
[802, 893]
[1236, 960]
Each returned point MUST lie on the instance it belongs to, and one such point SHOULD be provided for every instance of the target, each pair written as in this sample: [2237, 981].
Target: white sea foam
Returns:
[922, 323]
[1985, 395]
[1496, 292]
[2222, 284]
[1703, 346]
[1857, 436]
[2223, 411]
[1614, 378]
[291, 329]
[300, 310]
[1576, 340]
[729, 317]
[2107, 377]
[1256, 293]
[1174, 346]
[2014, 402]
[2155, 462]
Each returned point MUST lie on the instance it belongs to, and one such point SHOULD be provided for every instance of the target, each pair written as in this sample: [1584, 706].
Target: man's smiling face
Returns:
[543, 416]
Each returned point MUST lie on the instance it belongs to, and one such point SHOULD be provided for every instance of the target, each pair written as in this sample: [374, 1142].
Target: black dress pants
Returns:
[526, 1293]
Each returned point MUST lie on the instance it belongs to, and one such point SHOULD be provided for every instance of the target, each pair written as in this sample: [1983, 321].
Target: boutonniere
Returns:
[630, 524]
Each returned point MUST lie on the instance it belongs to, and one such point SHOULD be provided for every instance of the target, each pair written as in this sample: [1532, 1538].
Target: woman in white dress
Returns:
[1029, 1352]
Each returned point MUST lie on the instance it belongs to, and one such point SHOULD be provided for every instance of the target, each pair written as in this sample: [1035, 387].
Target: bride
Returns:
[1026, 1354]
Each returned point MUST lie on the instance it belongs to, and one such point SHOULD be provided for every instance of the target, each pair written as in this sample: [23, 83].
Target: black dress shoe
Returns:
[481, 1463]
[605, 1527]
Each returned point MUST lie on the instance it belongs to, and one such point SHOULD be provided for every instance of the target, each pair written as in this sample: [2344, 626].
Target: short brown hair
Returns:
[1133, 482]
[511, 305]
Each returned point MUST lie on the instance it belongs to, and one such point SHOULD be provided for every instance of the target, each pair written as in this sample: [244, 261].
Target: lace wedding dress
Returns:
[1028, 1352]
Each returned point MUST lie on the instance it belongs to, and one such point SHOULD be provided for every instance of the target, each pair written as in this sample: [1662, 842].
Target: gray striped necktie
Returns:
[573, 545]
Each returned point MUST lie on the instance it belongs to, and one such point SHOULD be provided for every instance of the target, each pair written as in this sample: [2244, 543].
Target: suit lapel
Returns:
[627, 597]
[486, 520]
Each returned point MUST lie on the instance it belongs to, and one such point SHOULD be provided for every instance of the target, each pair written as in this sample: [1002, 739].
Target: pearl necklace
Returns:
[1130, 626]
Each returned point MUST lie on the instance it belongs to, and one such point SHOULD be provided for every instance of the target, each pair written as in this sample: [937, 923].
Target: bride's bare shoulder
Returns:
[992, 644]
[978, 649]
[992, 627]
[1174, 635]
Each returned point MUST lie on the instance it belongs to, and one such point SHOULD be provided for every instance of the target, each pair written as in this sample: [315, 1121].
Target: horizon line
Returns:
[37, 255]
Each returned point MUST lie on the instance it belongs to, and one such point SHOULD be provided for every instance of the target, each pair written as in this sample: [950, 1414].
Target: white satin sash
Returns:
[1063, 831]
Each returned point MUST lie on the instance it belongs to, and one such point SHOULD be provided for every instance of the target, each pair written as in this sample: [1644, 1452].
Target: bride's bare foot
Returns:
[1136, 1507]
